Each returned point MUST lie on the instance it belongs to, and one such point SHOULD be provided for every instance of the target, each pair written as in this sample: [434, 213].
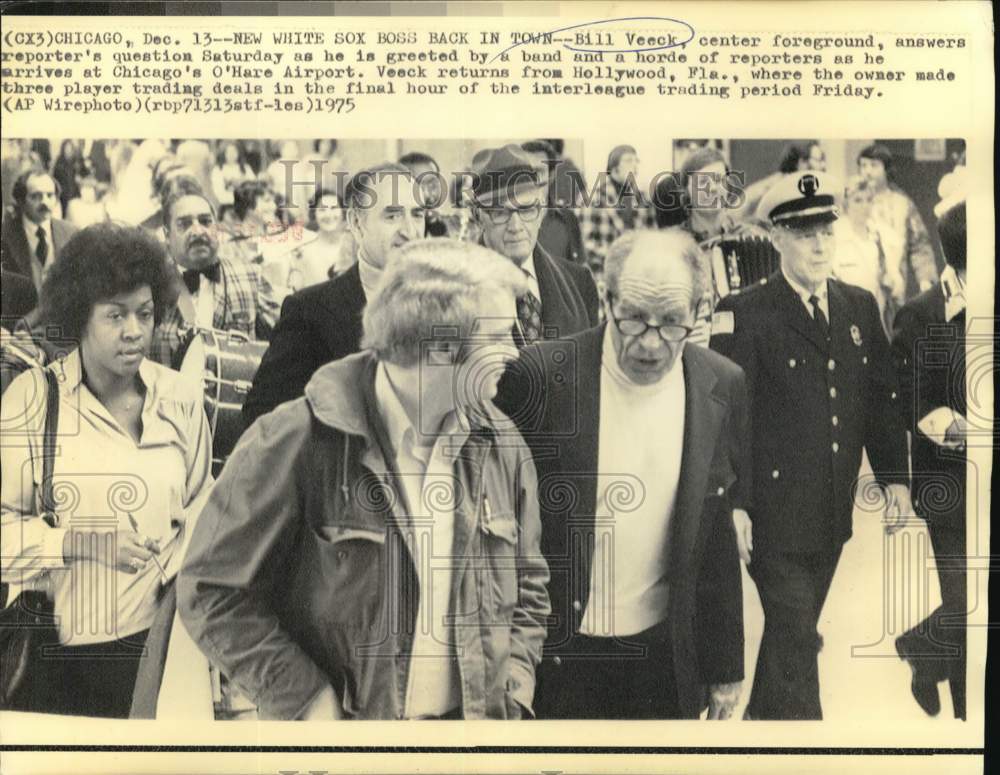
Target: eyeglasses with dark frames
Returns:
[669, 332]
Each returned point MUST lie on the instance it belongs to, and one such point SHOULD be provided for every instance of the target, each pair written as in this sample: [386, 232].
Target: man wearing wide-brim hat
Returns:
[822, 388]
[508, 201]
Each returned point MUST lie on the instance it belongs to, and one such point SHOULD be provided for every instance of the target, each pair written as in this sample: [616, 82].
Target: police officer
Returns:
[821, 385]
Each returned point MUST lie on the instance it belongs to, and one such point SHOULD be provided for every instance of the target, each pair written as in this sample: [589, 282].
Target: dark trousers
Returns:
[936, 646]
[93, 680]
[631, 677]
[793, 589]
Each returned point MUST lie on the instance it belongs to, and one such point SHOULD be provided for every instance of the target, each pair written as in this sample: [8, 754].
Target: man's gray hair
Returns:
[674, 244]
[435, 290]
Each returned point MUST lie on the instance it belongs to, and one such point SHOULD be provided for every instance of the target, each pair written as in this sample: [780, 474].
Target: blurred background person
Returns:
[32, 235]
[292, 179]
[859, 259]
[619, 206]
[331, 164]
[929, 348]
[229, 171]
[87, 208]
[326, 250]
[141, 427]
[909, 255]
[255, 217]
[67, 170]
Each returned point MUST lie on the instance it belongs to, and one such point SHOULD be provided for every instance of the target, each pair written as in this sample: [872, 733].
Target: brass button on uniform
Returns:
[775, 473]
[720, 491]
[576, 605]
[836, 446]
[864, 359]
[834, 420]
[791, 363]
[557, 661]
[833, 392]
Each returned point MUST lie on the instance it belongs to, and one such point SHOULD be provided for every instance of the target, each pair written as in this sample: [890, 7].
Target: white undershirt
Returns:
[638, 463]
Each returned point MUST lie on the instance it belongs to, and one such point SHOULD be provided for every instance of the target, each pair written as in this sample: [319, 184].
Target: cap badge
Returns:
[808, 185]
[856, 335]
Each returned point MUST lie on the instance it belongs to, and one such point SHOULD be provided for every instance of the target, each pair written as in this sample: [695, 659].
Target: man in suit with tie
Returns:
[32, 238]
[640, 442]
[822, 389]
[508, 203]
[929, 345]
[322, 323]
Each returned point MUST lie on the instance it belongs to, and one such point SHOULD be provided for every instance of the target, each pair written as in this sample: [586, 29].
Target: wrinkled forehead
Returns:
[655, 284]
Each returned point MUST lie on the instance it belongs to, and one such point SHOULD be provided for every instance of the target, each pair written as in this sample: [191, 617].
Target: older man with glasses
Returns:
[822, 390]
[640, 439]
[509, 198]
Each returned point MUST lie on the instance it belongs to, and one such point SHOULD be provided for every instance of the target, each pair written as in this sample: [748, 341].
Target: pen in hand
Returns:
[135, 527]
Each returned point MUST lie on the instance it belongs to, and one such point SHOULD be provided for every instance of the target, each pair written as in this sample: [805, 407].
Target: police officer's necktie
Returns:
[529, 316]
[819, 317]
[42, 248]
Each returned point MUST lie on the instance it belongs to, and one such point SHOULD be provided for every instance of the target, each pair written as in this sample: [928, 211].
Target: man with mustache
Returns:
[214, 290]
[322, 323]
[822, 389]
[32, 238]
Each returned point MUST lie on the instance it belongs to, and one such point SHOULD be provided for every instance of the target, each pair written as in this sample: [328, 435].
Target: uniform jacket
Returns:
[15, 255]
[554, 397]
[298, 578]
[317, 325]
[930, 360]
[815, 405]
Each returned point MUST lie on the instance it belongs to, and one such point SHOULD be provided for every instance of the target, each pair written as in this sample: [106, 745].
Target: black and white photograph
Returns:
[648, 433]
[684, 394]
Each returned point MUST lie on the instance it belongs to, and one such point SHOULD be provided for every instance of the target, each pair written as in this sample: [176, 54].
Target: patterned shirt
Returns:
[607, 218]
[236, 308]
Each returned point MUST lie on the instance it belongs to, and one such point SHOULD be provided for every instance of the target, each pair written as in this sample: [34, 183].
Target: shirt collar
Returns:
[30, 227]
[803, 293]
[402, 435]
[370, 275]
[71, 367]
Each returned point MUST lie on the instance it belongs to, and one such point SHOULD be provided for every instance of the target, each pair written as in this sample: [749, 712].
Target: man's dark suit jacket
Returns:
[17, 297]
[815, 405]
[560, 235]
[553, 397]
[930, 361]
[322, 323]
[15, 255]
[317, 325]
[568, 295]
